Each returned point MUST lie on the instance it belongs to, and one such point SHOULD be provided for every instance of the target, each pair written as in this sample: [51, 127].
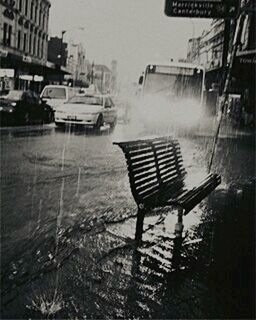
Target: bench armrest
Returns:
[191, 198]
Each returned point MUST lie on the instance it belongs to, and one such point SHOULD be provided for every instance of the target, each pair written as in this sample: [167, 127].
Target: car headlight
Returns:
[1, 108]
[11, 110]
[13, 104]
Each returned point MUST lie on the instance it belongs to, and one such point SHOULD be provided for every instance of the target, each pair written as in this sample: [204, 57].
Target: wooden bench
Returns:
[157, 179]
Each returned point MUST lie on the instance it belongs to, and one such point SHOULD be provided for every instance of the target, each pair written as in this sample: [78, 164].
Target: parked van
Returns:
[56, 95]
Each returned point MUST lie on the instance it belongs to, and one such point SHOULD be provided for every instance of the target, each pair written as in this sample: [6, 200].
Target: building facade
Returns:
[23, 41]
[76, 64]
[212, 48]
[57, 51]
[207, 50]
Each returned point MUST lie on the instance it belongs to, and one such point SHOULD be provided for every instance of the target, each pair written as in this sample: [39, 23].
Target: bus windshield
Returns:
[174, 82]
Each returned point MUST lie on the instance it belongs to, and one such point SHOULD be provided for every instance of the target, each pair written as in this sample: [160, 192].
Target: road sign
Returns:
[202, 8]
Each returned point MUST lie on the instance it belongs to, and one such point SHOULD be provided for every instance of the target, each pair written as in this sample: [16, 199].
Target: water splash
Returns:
[46, 306]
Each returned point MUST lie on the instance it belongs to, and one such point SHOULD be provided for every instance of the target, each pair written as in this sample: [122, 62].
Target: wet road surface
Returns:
[68, 222]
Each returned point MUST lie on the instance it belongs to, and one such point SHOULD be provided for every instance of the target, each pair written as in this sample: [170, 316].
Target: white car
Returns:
[91, 111]
[56, 95]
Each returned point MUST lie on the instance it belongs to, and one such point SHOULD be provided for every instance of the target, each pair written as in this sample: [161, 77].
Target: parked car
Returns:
[24, 107]
[88, 110]
[56, 95]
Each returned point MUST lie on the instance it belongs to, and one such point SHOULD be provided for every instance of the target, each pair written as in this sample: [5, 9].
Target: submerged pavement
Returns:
[68, 223]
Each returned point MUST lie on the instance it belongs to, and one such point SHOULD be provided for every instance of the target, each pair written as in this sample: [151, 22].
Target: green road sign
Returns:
[202, 8]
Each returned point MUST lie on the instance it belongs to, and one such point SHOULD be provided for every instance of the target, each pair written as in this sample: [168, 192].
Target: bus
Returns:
[172, 92]
[177, 80]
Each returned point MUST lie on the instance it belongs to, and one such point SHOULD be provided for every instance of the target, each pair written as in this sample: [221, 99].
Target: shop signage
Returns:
[9, 73]
[249, 59]
[201, 8]
[38, 78]
[26, 77]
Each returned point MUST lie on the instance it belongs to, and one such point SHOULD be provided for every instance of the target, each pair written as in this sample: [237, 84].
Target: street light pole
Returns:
[61, 53]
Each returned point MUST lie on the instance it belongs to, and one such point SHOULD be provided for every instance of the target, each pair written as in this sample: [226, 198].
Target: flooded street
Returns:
[68, 224]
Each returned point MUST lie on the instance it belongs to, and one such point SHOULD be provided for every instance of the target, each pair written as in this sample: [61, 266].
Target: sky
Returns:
[134, 32]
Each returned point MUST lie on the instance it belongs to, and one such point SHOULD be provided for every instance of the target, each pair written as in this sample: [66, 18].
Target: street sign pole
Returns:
[224, 100]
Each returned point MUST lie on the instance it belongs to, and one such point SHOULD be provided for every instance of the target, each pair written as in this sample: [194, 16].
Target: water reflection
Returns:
[82, 130]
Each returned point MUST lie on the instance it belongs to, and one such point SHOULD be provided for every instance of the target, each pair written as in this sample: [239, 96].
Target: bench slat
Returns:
[137, 153]
[169, 179]
[147, 186]
[135, 148]
[144, 181]
[141, 175]
[150, 157]
[165, 156]
[171, 164]
[142, 154]
[166, 147]
[149, 191]
[142, 169]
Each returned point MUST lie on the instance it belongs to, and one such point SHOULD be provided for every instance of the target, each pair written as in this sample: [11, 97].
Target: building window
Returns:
[38, 47]
[42, 49]
[19, 39]
[40, 17]
[43, 22]
[20, 5]
[30, 43]
[10, 36]
[31, 10]
[25, 42]
[34, 45]
[26, 7]
[36, 9]
[7, 36]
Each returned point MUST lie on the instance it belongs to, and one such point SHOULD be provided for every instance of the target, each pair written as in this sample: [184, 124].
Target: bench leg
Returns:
[179, 225]
[139, 225]
[176, 255]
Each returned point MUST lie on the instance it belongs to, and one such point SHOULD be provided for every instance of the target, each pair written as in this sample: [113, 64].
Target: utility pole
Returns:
[226, 41]
[236, 43]
[61, 53]
[92, 73]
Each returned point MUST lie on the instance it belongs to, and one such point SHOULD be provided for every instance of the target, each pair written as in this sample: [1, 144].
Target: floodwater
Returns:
[68, 223]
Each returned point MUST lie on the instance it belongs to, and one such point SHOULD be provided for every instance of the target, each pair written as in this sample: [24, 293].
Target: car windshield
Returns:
[54, 93]
[14, 95]
[88, 100]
